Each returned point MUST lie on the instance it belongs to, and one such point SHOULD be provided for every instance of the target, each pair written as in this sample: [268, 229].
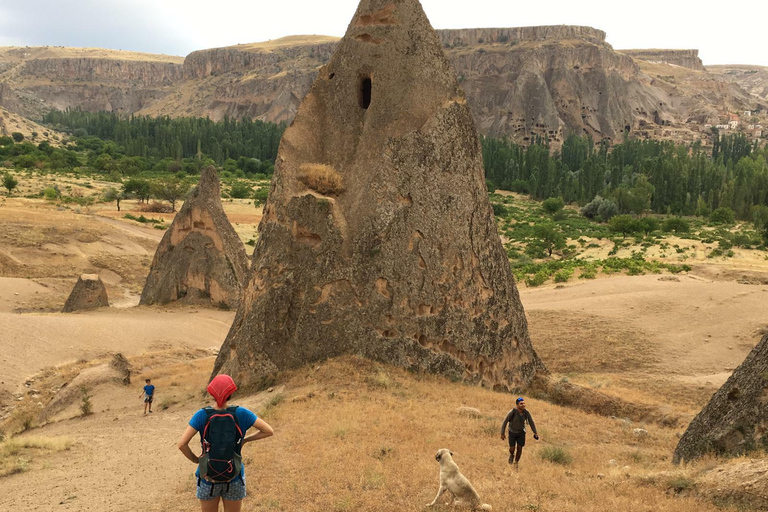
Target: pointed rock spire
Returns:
[378, 237]
[200, 260]
[736, 418]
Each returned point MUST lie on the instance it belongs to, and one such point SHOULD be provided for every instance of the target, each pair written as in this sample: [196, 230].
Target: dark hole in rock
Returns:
[330, 77]
[734, 394]
[365, 93]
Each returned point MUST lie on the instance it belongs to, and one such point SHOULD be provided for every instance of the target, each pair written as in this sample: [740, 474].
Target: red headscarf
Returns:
[221, 387]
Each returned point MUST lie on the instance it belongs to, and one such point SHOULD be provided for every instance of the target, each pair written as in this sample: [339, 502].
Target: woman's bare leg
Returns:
[211, 505]
[232, 506]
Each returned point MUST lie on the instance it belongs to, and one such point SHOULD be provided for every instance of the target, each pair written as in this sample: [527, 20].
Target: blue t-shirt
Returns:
[149, 390]
[245, 419]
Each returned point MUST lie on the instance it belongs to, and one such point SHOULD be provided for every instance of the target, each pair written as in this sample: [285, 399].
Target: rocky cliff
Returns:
[34, 80]
[684, 58]
[523, 82]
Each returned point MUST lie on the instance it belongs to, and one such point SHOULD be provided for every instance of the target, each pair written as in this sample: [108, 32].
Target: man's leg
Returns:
[150, 404]
[518, 454]
[232, 506]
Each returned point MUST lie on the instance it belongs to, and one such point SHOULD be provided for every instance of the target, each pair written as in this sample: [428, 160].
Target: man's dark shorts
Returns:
[148, 399]
[516, 438]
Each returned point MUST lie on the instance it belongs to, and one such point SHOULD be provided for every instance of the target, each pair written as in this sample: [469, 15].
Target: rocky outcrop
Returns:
[200, 260]
[683, 58]
[736, 418]
[515, 35]
[35, 80]
[89, 293]
[378, 238]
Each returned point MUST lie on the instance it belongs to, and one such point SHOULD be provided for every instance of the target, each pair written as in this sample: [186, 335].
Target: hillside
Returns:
[521, 82]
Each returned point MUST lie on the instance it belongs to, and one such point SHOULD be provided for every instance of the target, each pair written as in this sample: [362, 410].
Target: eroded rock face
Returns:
[378, 237]
[89, 293]
[736, 418]
[200, 260]
[684, 58]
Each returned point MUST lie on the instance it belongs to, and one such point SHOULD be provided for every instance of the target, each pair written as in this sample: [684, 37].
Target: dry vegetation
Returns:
[321, 178]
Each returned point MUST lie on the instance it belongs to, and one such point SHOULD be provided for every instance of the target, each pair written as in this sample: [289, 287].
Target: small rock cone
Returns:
[200, 260]
[89, 293]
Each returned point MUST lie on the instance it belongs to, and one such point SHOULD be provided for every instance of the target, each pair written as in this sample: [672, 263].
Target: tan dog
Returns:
[457, 484]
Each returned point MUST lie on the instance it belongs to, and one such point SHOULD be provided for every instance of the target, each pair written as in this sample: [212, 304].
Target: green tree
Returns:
[676, 225]
[624, 224]
[260, 196]
[112, 194]
[648, 225]
[9, 182]
[548, 237]
[240, 190]
[553, 205]
[170, 189]
[138, 188]
[760, 216]
[17, 136]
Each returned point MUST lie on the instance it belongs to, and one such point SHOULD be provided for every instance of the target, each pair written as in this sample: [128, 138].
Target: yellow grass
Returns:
[284, 42]
[355, 435]
[14, 53]
[321, 178]
[17, 453]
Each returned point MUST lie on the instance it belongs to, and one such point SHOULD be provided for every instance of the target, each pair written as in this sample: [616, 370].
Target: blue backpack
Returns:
[222, 441]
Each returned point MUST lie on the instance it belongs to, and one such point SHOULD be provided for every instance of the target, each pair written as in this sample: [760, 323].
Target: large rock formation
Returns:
[683, 58]
[200, 260]
[736, 418]
[89, 293]
[378, 237]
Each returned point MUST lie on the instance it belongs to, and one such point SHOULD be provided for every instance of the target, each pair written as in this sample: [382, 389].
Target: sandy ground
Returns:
[640, 337]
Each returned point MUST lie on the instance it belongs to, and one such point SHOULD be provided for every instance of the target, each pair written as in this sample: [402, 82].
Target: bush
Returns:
[722, 215]
[556, 454]
[86, 407]
[676, 225]
[260, 196]
[240, 190]
[9, 182]
[553, 205]
[50, 194]
[649, 224]
[17, 136]
[156, 207]
[600, 207]
[499, 210]
[490, 186]
[538, 279]
[564, 275]
[321, 178]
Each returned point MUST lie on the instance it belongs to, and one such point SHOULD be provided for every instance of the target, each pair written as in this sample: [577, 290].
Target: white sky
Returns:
[724, 32]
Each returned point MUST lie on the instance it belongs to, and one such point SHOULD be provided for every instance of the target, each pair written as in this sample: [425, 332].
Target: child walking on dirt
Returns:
[149, 395]
[516, 419]
[221, 473]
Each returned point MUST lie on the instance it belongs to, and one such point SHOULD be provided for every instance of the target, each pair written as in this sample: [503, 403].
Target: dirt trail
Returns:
[152, 234]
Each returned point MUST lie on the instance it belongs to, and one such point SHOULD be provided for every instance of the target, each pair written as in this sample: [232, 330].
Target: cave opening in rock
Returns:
[365, 92]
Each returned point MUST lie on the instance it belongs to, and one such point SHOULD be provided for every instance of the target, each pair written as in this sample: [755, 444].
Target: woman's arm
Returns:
[186, 437]
[264, 430]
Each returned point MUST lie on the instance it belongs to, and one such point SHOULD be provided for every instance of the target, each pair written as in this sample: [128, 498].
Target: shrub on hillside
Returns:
[600, 207]
[553, 204]
[624, 224]
[722, 215]
[676, 225]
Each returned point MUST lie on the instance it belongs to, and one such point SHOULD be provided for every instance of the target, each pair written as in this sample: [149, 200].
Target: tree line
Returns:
[176, 138]
[637, 175]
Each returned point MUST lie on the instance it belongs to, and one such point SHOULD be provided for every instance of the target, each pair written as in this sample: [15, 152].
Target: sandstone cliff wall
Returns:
[516, 34]
[685, 58]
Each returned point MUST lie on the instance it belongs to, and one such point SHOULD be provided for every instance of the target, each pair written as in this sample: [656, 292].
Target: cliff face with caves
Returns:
[523, 82]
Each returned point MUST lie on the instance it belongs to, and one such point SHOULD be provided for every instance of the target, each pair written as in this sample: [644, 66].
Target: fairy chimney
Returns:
[200, 260]
[89, 293]
[378, 237]
[735, 420]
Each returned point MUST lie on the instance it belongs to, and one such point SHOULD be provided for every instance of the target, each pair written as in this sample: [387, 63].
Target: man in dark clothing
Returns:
[516, 419]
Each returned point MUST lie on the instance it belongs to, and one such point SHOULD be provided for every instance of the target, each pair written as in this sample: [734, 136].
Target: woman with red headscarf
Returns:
[211, 490]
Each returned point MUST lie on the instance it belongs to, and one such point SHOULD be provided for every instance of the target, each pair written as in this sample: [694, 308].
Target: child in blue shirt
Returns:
[149, 395]
[232, 492]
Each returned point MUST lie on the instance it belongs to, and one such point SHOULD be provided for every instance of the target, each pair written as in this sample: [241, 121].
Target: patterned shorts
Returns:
[230, 491]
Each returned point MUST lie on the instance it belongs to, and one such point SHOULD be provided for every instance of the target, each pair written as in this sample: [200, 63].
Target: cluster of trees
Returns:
[636, 175]
[176, 138]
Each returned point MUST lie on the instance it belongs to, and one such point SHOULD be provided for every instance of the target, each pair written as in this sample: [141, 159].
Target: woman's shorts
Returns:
[230, 491]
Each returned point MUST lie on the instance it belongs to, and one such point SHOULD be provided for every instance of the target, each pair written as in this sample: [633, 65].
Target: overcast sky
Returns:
[725, 32]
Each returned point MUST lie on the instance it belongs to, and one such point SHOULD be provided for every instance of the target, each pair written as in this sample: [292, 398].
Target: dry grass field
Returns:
[350, 435]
